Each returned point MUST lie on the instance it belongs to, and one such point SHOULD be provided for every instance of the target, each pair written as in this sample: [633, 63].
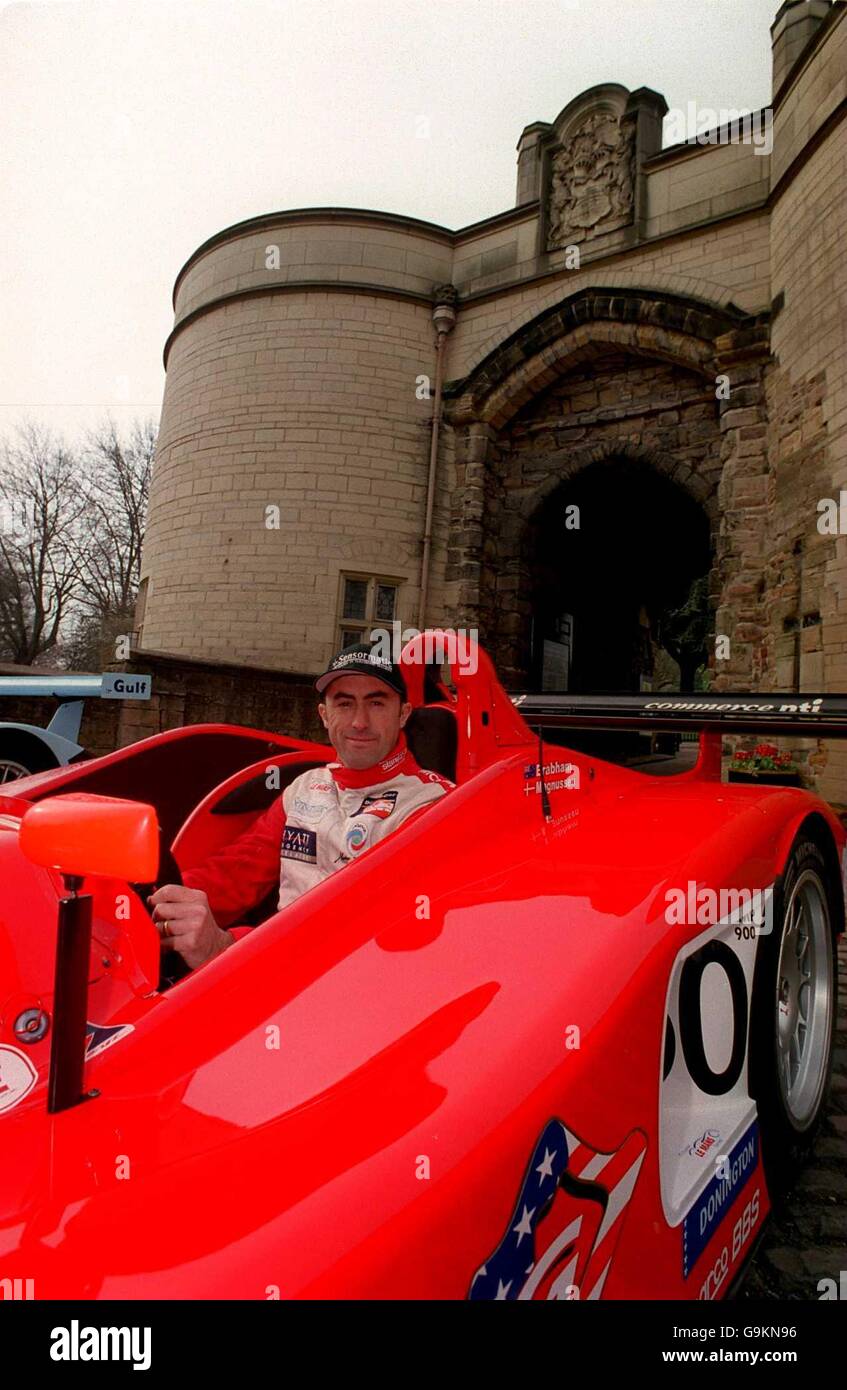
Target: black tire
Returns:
[22, 754]
[790, 1115]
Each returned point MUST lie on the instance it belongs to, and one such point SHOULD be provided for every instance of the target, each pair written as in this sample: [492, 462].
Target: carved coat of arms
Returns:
[591, 189]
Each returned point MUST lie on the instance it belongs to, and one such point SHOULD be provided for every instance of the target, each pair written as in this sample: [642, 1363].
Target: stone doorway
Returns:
[618, 558]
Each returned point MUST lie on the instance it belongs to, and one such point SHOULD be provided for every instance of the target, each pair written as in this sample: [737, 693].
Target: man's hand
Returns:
[186, 924]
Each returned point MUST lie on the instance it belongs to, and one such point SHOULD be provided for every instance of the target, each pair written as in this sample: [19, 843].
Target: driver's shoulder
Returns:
[433, 779]
[313, 784]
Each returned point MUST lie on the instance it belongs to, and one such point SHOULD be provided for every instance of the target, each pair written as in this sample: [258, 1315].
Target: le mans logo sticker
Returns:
[17, 1076]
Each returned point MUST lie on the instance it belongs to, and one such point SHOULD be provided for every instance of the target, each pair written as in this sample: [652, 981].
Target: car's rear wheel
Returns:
[21, 754]
[794, 1006]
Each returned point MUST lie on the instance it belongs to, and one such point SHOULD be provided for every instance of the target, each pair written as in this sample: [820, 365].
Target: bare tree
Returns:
[71, 527]
[41, 510]
[117, 485]
[116, 473]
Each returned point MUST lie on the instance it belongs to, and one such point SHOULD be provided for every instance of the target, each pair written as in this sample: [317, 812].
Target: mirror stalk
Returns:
[70, 998]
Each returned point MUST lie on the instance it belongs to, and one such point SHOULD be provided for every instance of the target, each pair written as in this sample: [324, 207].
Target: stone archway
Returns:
[629, 375]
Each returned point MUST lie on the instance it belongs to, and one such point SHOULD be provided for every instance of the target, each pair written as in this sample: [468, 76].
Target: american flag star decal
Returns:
[566, 1223]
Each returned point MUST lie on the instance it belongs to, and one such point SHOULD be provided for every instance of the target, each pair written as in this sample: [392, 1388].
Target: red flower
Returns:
[765, 750]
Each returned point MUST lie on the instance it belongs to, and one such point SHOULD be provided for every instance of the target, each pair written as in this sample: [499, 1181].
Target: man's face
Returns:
[363, 717]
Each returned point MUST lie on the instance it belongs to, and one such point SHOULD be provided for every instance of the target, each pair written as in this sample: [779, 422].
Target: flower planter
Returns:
[767, 779]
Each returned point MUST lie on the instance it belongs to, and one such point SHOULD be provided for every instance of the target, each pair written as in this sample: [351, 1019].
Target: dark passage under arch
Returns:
[605, 592]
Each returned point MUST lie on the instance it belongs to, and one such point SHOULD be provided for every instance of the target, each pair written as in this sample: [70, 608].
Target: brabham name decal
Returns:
[532, 777]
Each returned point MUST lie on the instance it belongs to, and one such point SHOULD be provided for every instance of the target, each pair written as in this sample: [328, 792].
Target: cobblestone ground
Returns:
[807, 1237]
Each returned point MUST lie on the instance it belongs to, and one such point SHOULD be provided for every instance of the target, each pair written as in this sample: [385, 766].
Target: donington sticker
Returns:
[17, 1076]
[714, 1201]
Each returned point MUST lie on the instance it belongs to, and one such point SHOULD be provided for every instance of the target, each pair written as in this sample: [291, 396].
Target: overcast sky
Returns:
[131, 130]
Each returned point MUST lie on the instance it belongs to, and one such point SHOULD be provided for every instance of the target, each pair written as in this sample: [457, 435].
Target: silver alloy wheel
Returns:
[10, 771]
[804, 1000]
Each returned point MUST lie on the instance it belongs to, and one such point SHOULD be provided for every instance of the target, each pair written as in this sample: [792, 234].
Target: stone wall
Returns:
[302, 403]
[187, 692]
[807, 389]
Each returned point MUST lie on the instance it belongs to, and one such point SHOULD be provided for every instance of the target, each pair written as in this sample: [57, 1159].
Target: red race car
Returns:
[560, 1036]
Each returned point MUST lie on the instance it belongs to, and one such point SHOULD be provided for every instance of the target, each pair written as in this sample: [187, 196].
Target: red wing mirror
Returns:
[80, 834]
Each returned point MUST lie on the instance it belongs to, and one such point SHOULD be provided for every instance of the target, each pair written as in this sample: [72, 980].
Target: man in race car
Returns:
[322, 821]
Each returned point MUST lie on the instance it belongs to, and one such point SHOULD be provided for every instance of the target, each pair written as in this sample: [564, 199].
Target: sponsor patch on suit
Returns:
[380, 804]
[298, 843]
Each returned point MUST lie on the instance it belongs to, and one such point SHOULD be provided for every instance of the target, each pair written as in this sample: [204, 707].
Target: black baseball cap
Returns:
[363, 660]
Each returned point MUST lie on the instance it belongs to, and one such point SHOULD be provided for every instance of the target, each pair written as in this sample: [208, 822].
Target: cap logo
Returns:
[358, 657]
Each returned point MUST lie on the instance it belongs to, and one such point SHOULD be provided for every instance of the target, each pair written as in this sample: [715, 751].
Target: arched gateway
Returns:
[593, 444]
